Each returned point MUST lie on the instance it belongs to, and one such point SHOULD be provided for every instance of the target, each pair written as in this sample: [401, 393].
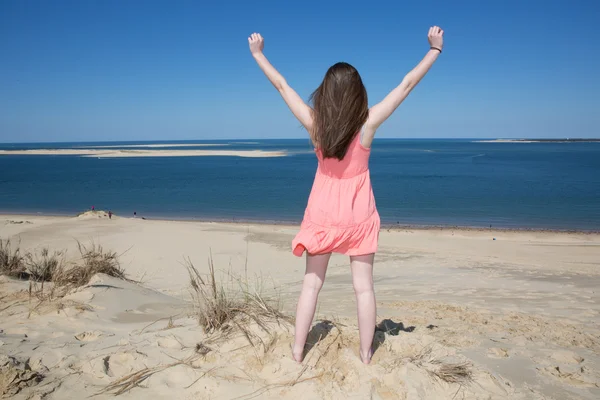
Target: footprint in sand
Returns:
[570, 369]
[496, 352]
[91, 336]
[120, 364]
[574, 375]
[567, 357]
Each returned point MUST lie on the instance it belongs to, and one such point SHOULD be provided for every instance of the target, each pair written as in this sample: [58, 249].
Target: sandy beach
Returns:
[465, 314]
[155, 145]
[100, 153]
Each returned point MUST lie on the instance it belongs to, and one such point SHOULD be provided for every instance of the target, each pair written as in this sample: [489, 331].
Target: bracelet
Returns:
[435, 48]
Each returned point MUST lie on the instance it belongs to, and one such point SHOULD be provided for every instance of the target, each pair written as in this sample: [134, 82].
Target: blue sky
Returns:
[156, 70]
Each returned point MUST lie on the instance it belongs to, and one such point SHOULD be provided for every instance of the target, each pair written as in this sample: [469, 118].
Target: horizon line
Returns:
[174, 141]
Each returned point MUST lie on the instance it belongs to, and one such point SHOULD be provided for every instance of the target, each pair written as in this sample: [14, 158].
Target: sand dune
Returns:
[156, 145]
[519, 314]
[143, 153]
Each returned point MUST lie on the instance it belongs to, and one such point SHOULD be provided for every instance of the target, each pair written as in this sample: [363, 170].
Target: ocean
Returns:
[416, 182]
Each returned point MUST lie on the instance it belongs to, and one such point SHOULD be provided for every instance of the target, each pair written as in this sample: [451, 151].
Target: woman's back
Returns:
[354, 163]
[342, 194]
[341, 215]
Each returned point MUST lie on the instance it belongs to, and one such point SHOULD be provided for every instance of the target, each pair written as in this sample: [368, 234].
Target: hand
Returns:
[436, 37]
[257, 43]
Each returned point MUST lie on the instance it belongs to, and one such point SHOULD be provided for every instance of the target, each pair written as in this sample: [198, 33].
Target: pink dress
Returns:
[341, 216]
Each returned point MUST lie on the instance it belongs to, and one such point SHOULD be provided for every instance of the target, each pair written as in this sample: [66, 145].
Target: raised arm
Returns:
[298, 107]
[382, 111]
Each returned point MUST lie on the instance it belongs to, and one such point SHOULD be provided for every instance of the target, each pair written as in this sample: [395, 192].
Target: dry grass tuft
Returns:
[213, 305]
[231, 306]
[220, 308]
[49, 276]
[453, 372]
[11, 260]
[95, 260]
[450, 372]
[44, 266]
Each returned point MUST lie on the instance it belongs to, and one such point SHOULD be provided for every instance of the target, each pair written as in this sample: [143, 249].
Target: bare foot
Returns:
[366, 359]
[297, 355]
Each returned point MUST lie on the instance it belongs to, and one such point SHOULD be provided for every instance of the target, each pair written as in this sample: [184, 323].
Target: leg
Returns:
[362, 280]
[316, 266]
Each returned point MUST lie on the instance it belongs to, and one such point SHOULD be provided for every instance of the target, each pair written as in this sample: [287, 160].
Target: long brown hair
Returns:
[341, 108]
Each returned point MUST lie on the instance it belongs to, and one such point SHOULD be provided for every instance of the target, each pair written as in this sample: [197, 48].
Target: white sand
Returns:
[523, 309]
[142, 153]
[155, 145]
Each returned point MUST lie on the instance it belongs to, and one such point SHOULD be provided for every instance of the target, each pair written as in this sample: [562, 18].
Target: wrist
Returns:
[257, 54]
[436, 48]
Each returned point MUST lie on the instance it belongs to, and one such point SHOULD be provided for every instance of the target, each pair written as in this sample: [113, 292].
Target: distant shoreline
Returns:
[152, 145]
[103, 153]
[292, 224]
[538, 141]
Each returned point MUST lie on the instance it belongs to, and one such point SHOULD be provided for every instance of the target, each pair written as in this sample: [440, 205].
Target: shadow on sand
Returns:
[316, 334]
[387, 327]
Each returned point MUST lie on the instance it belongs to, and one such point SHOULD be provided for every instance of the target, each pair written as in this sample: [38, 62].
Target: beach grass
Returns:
[438, 367]
[221, 304]
[44, 265]
[12, 260]
[94, 260]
